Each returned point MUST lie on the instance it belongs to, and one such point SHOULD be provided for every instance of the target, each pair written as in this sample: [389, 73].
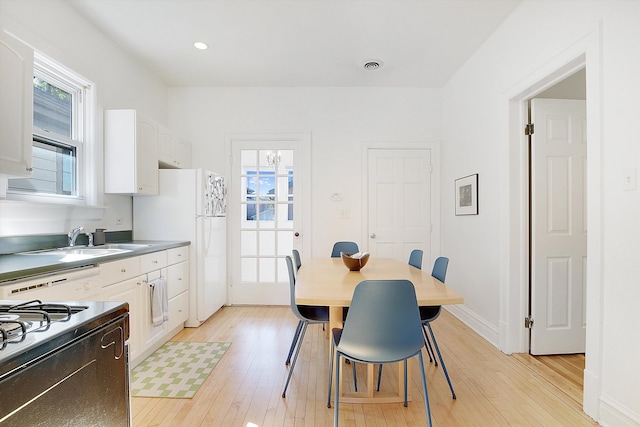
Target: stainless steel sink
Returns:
[77, 253]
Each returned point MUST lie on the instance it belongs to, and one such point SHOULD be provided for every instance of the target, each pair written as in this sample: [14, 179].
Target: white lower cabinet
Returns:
[131, 291]
[119, 285]
[178, 290]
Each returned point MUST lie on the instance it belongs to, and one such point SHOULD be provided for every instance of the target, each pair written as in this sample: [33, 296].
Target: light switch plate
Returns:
[629, 179]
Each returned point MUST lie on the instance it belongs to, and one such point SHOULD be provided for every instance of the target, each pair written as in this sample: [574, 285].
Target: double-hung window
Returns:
[60, 114]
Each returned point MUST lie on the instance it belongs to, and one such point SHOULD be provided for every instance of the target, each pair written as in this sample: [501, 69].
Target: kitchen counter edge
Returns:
[14, 267]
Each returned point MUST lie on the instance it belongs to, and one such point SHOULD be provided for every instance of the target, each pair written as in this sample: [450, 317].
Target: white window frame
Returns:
[83, 111]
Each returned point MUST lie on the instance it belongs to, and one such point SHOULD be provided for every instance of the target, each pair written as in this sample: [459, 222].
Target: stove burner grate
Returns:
[31, 316]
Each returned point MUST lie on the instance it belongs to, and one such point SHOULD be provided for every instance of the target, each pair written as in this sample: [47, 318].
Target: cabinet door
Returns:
[130, 153]
[16, 107]
[151, 333]
[129, 291]
[166, 148]
[147, 157]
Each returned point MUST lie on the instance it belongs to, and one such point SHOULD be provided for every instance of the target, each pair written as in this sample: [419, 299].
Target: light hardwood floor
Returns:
[245, 389]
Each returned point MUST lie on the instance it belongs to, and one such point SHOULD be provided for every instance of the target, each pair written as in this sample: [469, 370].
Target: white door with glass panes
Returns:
[266, 217]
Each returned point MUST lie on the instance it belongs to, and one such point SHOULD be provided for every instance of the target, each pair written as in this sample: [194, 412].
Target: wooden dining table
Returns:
[328, 282]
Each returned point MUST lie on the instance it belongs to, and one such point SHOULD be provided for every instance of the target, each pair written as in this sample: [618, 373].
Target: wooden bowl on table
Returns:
[354, 264]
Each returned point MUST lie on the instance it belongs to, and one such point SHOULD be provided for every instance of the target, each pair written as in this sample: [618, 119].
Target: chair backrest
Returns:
[440, 268]
[292, 287]
[347, 247]
[296, 259]
[415, 259]
[383, 322]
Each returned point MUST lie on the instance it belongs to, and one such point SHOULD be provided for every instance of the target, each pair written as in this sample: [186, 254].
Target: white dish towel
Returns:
[159, 301]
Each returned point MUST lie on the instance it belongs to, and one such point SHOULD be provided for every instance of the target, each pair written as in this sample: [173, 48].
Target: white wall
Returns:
[339, 119]
[55, 29]
[476, 139]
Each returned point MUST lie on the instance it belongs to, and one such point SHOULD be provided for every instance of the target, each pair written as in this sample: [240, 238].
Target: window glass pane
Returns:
[267, 243]
[267, 184]
[248, 270]
[54, 170]
[285, 243]
[285, 161]
[283, 272]
[248, 245]
[52, 108]
[267, 269]
[284, 216]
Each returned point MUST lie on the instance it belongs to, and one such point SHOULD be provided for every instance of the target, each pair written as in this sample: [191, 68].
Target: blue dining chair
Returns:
[382, 326]
[307, 315]
[346, 247]
[430, 313]
[296, 259]
[415, 258]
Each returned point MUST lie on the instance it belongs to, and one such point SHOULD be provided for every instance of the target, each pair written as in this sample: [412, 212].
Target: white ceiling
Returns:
[300, 42]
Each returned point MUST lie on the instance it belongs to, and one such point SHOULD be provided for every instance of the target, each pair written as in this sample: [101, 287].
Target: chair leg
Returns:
[333, 350]
[406, 386]
[444, 368]
[424, 388]
[295, 358]
[293, 343]
[355, 377]
[337, 392]
[379, 377]
[427, 345]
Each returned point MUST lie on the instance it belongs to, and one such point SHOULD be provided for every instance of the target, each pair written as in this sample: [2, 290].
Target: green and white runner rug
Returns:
[177, 369]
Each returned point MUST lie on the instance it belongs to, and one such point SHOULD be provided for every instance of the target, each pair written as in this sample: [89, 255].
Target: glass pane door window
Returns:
[266, 214]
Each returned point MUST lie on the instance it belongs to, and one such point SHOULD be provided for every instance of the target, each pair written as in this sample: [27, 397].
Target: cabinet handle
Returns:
[154, 261]
[124, 270]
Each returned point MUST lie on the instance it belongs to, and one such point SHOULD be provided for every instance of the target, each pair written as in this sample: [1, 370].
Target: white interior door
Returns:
[265, 213]
[558, 226]
[399, 198]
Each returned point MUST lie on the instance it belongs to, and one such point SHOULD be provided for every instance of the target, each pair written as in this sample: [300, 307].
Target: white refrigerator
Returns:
[190, 205]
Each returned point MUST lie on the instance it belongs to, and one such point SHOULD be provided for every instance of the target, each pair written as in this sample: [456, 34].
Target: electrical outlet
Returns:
[345, 213]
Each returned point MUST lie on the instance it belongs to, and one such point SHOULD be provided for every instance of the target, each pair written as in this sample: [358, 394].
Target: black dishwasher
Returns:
[64, 364]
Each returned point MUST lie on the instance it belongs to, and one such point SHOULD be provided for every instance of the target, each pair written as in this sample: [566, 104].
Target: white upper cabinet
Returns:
[172, 152]
[16, 107]
[130, 153]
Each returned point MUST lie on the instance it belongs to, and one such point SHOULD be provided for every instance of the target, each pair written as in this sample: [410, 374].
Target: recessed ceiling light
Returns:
[200, 45]
[372, 64]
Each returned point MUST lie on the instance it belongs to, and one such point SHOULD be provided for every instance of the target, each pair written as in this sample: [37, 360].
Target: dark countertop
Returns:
[17, 267]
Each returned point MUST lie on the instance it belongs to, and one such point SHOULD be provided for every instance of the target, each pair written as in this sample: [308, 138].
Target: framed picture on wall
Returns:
[466, 195]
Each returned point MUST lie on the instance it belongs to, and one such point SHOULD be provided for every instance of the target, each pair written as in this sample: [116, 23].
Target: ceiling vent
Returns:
[372, 64]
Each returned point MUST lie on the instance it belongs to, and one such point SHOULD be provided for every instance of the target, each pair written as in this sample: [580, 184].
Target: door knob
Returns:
[372, 235]
[296, 234]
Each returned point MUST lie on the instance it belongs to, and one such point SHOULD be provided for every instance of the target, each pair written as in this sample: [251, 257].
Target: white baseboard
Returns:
[615, 414]
[475, 322]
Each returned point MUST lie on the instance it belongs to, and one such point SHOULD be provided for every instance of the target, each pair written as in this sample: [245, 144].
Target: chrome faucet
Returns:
[73, 235]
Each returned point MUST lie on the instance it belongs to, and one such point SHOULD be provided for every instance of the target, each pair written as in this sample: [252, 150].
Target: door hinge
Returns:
[528, 129]
[528, 322]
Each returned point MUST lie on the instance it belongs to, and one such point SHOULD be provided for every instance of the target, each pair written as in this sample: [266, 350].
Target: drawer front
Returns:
[177, 255]
[153, 261]
[117, 271]
[178, 310]
[178, 278]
